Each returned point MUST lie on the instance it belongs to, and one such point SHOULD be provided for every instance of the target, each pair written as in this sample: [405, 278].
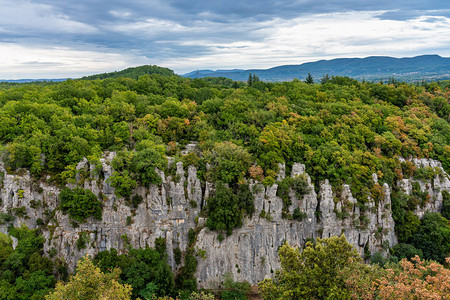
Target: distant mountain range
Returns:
[373, 68]
[32, 80]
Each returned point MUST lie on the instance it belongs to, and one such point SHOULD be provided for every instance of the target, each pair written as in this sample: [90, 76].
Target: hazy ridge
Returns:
[424, 67]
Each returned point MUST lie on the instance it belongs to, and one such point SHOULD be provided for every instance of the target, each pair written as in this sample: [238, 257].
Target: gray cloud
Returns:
[402, 15]
[176, 29]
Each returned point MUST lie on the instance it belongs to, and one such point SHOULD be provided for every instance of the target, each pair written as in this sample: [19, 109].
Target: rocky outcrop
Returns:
[170, 209]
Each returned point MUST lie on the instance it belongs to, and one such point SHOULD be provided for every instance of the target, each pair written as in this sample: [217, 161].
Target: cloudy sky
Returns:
[61, 38]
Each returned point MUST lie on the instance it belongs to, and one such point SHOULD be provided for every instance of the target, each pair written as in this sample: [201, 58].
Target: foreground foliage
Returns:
[332, 269]
[24, 272]
[416, 280]
[145, 270]
[311, 274]
[90, 283]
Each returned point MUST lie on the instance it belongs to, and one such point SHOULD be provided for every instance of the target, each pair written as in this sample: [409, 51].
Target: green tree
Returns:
[24, 272]
[80, 204]
[446, 205]
[313, 273]
[234, 290]
[433, 237]
[146, 270]
[149, 156]
[309, 79]
[402, 250]
[228, 162]
[91, 283]
[250, 80]
[325, 79]
[224, 212]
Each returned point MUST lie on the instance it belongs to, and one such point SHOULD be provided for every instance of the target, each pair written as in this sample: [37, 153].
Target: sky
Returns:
[70, 39]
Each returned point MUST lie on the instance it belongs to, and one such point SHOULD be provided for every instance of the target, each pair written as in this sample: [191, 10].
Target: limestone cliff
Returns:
[169, 210]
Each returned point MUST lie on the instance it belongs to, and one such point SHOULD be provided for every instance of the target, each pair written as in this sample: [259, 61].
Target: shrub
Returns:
[402, 250]
[446, 205]
[312, 273]
[177, 255]
[123, 183]
[6, 218]
[83, 240]
[129, 220]
[299, 215]
[185, 279]
[229, 162]
[233, 290]
[224, 212]
[80, 204]
[136, 200]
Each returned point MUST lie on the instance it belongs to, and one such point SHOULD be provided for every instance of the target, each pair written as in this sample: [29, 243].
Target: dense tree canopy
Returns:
[342, 130]
[25, 273]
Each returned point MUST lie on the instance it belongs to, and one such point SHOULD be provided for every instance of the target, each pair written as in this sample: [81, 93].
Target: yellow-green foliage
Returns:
[313, 273]
[91, 283]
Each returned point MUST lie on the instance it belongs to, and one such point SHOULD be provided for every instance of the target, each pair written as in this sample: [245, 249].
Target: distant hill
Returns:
[32, 80]
[426, 67]
[133, 73]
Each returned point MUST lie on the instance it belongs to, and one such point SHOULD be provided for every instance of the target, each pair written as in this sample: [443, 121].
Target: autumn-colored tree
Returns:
[417, 279]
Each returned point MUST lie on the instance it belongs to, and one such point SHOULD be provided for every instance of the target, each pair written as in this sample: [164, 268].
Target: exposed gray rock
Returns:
[170, 209]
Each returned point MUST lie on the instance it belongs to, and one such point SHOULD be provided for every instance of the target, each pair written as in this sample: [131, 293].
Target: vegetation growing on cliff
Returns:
[80, 204]
[342, 130]
[145, 270]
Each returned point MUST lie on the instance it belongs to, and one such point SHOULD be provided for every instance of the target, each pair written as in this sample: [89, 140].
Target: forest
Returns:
[342, 129]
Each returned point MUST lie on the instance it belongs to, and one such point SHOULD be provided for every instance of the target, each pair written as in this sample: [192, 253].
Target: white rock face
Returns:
[433, 187]
[170, 209]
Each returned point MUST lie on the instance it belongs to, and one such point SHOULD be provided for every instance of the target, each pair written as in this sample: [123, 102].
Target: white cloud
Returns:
[120, 13]
[25, 17]
[150, 27]
[326, 36]
[34, 62]
[214, 45]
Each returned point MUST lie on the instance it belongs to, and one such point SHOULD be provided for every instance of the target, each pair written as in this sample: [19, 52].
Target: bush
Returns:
[177, 255]
[433, 237]
[80, 204]
[185, 279]
[24, 272]
[136, 200]
[299, 185]
[233, 290]
[446, 205]
[149, 156]
[299, 215]
[83, 240]
[146, 270]
[224, 212]
[90, 283]
[402, 250]
[229, 162]
[6, 218]
[123, 183]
